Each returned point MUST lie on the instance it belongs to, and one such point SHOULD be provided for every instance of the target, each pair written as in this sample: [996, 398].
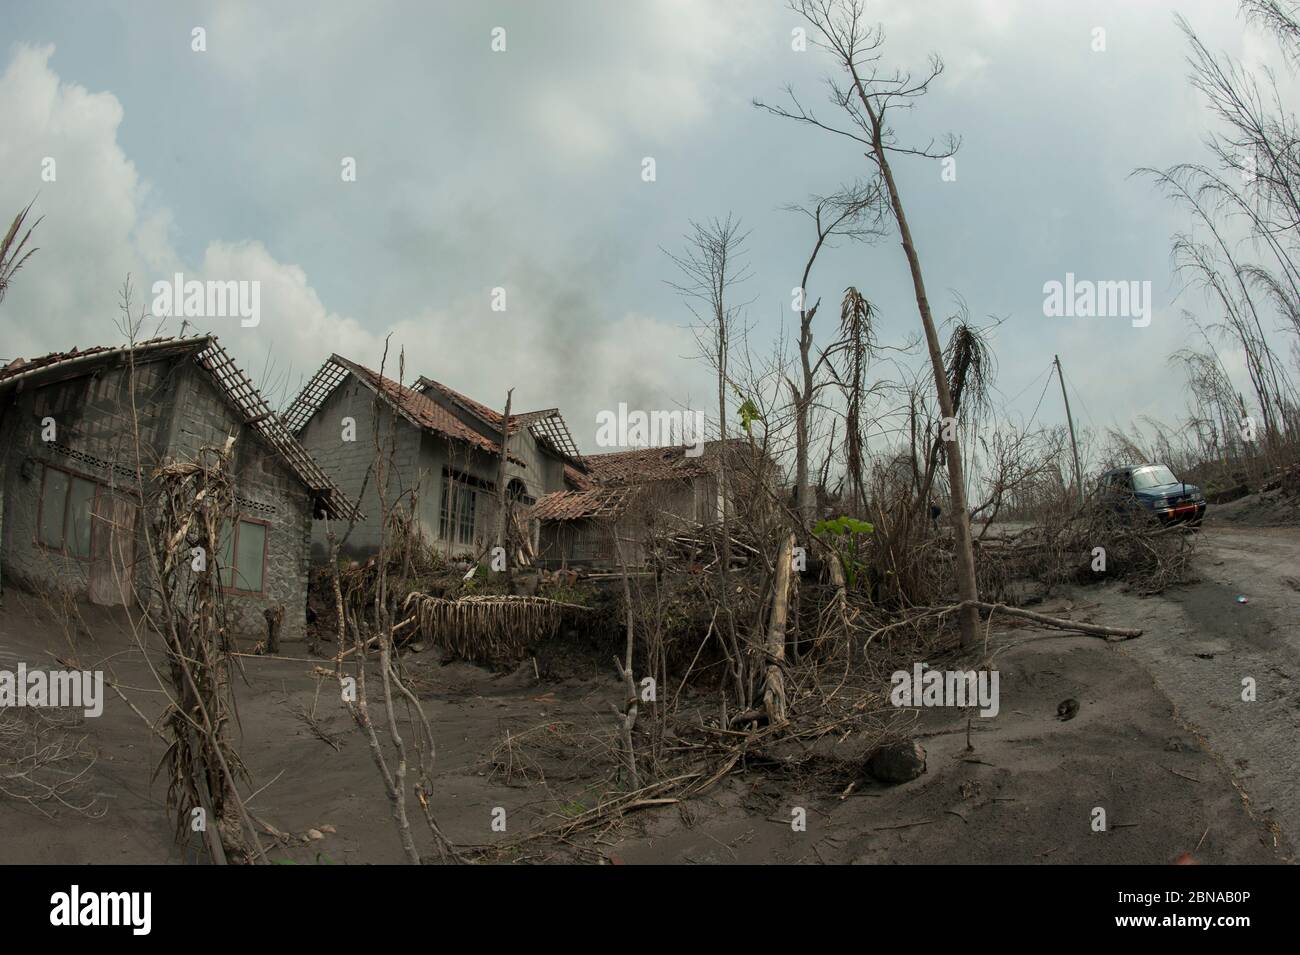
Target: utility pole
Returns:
[1078, 472]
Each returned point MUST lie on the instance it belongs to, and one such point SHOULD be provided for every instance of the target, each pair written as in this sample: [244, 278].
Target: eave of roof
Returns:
[57, 366]
[422, 411]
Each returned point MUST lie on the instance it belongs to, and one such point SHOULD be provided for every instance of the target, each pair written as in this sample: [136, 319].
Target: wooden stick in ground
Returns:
[774, 680]
[628, 714]
[841, 599]
[501, 471]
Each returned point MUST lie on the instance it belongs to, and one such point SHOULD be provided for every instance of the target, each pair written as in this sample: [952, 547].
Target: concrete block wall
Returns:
[179, 409]
[94, 438]
[417, 469]
[348, 462]
[266, 490]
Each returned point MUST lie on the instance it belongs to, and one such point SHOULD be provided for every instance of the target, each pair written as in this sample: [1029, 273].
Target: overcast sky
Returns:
[523, 169]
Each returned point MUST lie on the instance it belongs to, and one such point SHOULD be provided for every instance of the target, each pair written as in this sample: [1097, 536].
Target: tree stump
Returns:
[274, 621]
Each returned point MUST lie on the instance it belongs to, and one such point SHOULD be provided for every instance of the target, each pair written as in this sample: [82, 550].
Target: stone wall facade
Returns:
[178, 408]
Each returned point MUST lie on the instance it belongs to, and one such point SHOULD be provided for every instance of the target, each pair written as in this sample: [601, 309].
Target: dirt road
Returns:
[1203, 647]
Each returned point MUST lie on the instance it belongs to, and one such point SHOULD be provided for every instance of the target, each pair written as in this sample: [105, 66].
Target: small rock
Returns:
[330, 829]
[315, 834]
[1067, 709]
[897, 762]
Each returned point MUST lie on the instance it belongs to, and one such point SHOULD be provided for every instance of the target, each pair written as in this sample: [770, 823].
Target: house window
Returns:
[456, 519]
[518, 492]
[67, 502]
[242, 559]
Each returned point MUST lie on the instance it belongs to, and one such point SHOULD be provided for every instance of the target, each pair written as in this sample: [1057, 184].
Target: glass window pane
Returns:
[81, 502]
[226, 553]
[467, 501]
[250, 548]
[445, 508]
[53, 500]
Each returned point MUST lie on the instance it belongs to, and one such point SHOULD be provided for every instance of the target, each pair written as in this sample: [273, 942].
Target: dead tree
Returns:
[849, 213]
[866, 95]
[351, 620]
[711, 267]
[774, 697]
[190, 500]
[1251, 180]
[627, 716]
[856, 343]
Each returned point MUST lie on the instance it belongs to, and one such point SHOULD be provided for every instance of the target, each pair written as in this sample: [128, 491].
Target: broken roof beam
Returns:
[314, 394]
[551, 428]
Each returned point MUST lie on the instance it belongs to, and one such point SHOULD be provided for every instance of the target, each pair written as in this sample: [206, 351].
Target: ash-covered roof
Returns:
[641, 465]
[422, 410]
[546, 425]
[230, 380]
[593, 503]
[419, 404]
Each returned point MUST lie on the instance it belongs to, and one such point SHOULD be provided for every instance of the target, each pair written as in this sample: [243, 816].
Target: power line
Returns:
[1086, 413]
[1045, 371]
[1041, 397]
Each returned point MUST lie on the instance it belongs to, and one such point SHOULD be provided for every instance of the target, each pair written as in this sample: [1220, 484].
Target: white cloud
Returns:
[101, 223]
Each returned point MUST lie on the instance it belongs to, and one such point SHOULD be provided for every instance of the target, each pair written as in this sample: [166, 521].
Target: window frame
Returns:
[450, 511]
[236, 520]
[62, 548]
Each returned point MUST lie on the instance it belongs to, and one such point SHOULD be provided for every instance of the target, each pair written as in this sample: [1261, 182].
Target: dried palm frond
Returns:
[857, 341]
[12, 256]
[488, 629]
[190, 501]
[969, 361]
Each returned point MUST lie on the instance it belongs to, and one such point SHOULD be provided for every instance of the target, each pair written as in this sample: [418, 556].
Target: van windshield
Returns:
[1144, 478]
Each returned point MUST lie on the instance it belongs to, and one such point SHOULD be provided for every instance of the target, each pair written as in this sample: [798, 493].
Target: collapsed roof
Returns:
[230, 380]
[606, 489]
[673, 462]
[416, 405]
[547, 426]
[593, 503]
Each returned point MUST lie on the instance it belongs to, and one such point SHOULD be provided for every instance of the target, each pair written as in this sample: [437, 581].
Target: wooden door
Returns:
[112, 549]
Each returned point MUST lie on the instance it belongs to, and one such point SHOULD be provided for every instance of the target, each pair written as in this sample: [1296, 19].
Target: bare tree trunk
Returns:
[804, 501]
[628, 713]
[774, 700]
[274, 621]
[964, 549]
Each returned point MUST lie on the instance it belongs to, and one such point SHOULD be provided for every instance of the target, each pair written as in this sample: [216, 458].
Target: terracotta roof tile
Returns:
[580, 505]
[489, 416]
[424, 411]
[654, 464]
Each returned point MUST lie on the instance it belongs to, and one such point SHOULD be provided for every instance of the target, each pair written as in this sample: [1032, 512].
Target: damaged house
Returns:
[77, 428]
[634, 494]
[443, 454]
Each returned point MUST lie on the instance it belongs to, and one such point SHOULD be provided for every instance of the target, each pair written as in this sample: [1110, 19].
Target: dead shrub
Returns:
[44, 764]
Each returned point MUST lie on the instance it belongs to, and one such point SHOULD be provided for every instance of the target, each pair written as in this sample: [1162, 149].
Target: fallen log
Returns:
[1059, 623]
